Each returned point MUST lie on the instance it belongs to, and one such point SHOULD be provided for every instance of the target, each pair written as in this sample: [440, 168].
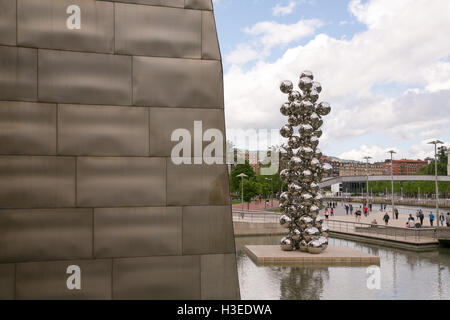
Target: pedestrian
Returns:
[396, 213]
[386, 218]
[326, 214]
[410, 218]
[441, 219]
[385, 205]
[431, 216]
[351, 209]
[447, 219]
[421, 217]
[370, 207]
[332, 212]
[346, 209]
[358, 215]
[365, 211]
[381, 207]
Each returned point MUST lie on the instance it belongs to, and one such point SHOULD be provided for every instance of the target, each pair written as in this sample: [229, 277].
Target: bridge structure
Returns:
[334, 180]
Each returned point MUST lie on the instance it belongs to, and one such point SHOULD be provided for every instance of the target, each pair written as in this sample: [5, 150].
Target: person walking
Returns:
[365, 211]
[396, 213]
[441, 219]
[431, 216]
[346, 209]
[421, 217]
[386, 218]
[351, 209]
[370, 207]
[447, 219]
[326, 214]
[358, 215]
[332, 212]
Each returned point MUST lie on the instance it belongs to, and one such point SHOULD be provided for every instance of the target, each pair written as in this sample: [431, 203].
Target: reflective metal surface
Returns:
[207, 229]
[121, 182]
[103, 130]
[164, 121]
[157, 278]
[137, 232]
[196, 184]
[42, 24]
[27, 127]
[8, 22]
[18, 74]
[219, 285]
[86, 118]
[37, 182]
[198, 4]
[210, 44]
[164, 82]
[47, 280]
[68, 234]
[7, 277]
[85, 78]
[302, 202]
[158, 31]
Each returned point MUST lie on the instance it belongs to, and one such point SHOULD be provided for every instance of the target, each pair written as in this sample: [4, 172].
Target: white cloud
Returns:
[406, 44]
[269, 34]
[280, 10]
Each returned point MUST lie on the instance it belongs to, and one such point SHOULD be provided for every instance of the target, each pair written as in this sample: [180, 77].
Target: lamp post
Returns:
[392, 182]
[436, 142]
[271, 190]
[367, 180]
[242, 176]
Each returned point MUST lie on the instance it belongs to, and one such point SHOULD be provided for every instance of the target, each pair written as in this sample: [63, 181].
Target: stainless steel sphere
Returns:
[285, 221]
[323, 108]
[286, 244]
[284, 109]
[294, 95]
[286, 131]
[286, 86]
[305, 84]
[307, 74]
[315, 247]
[317, 86]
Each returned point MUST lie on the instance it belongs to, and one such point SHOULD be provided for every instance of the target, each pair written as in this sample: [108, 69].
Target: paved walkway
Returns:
[257, 206]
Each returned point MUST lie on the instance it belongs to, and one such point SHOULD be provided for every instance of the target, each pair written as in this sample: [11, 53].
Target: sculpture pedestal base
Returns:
[333, 255]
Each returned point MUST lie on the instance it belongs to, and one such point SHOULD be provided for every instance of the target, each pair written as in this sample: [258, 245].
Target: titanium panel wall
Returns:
[87, 112]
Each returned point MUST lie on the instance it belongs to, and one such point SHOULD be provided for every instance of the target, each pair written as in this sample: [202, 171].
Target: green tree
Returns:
[441, 165]
[235, 182]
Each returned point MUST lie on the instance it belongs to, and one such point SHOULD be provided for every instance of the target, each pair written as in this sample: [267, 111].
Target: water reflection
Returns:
[404, 275]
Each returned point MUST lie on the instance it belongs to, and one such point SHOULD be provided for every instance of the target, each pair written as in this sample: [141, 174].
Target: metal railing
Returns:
[429, 202]
[256, 216]
[413, 235]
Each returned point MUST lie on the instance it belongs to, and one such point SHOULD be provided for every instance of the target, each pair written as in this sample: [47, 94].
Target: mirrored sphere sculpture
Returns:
[300, 205]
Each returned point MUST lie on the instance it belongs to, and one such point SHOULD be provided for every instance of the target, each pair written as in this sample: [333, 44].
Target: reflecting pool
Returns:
[404, 275]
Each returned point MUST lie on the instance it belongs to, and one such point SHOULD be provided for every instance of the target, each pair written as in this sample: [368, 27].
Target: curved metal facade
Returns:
[86, 178]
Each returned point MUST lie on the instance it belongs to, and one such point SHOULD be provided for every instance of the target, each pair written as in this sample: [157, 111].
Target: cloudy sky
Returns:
[384, 66]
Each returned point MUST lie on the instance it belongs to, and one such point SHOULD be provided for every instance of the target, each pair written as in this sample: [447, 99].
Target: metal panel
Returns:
[158, 31]
[164, 121]
[207, 230]
[137, 232]
[43, 24]
[197, 184]
[164, 82]
[85, 78]
[7, 281]
[198, 4]
[121, 182]
[219, 285]
[164, 3]
[103, 130]
[210, 43]
[157, 278]
[18, 74]
[37, 182]
[8, 22]
[45, 234]
[48, 280]
[27, 128]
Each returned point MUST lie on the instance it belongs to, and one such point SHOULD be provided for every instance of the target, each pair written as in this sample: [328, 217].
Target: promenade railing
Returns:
[416, 235]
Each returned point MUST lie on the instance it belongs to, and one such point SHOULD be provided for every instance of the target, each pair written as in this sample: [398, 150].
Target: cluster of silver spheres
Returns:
[301, 204]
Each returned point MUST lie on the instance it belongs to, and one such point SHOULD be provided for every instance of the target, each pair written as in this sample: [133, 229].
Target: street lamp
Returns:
[242, 176]
[392, 182]
[271, 190]
[436, 142]
[367, 176]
